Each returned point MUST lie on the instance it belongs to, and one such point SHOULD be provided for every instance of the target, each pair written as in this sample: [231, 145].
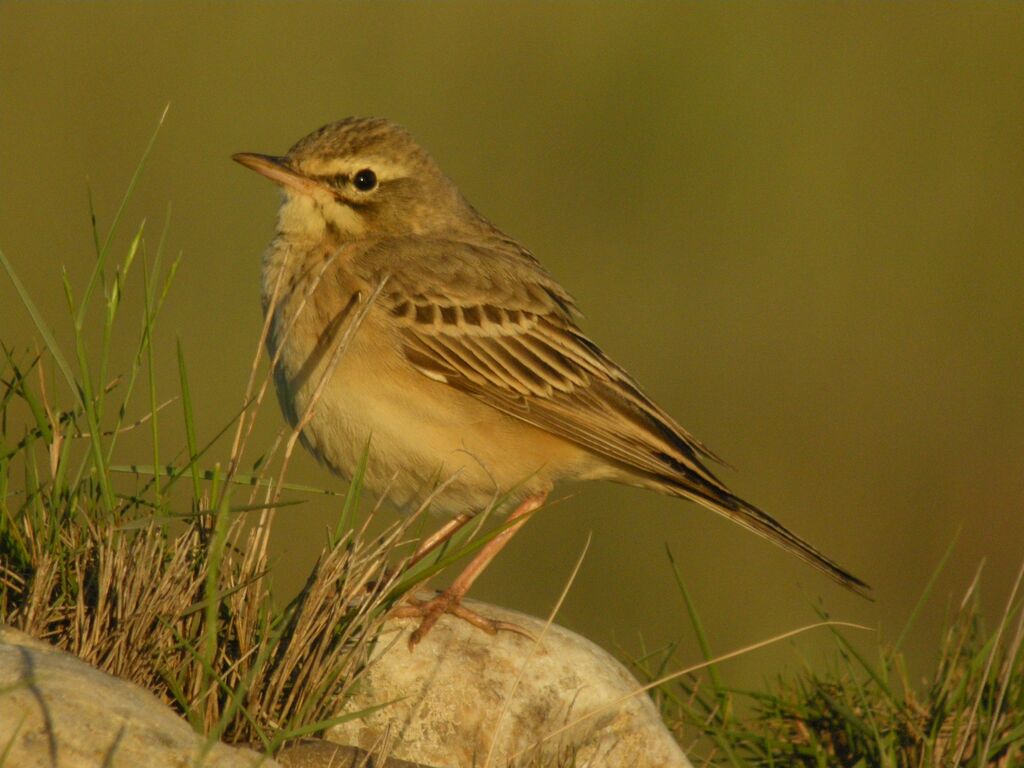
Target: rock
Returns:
[317, 753]
[56, 710]
[462, 694]
[461, 698]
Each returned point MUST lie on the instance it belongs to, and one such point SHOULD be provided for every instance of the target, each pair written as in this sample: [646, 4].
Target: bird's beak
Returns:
[278, 171]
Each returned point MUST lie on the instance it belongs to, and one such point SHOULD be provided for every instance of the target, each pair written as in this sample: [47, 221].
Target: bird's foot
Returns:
[448, 602]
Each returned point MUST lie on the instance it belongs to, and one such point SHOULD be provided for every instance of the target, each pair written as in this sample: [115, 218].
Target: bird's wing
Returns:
[496, 326]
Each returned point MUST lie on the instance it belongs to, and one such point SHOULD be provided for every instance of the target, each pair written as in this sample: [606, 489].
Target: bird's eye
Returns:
[365, 180]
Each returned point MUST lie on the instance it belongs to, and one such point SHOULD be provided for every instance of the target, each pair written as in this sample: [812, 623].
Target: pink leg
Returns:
[432, 542]
[449, 600]
[439, 537]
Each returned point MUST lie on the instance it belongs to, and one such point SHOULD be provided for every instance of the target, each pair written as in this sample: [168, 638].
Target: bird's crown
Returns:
[373, 141]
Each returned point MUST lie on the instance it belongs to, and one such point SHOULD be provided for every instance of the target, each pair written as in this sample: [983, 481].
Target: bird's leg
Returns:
[450, 600]
[432, 542]
[438, 537]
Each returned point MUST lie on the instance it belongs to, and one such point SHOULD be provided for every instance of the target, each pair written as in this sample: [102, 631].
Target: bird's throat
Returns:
[304, 219]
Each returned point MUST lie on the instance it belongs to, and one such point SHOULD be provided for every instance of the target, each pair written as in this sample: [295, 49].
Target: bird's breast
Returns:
[351, 387]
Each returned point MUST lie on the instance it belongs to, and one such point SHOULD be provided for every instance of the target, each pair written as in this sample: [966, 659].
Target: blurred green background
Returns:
[799, 225]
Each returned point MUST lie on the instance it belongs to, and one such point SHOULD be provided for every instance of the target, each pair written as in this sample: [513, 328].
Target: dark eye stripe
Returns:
[337, 180]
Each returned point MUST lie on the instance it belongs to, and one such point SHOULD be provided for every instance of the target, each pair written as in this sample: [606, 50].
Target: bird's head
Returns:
[360, 177]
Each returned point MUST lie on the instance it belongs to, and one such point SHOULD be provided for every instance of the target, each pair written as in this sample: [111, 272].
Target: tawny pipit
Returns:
[463, 364]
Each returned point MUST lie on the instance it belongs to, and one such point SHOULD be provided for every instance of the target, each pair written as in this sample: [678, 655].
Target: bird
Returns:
[401, 318]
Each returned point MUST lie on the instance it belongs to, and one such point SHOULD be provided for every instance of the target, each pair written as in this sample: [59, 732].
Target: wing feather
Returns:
[540, 368]
[488, 321]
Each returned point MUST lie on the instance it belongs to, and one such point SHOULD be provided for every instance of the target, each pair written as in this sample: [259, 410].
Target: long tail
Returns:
[750, 517]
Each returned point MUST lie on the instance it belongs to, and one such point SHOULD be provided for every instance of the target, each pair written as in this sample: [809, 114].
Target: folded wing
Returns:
[512, 343]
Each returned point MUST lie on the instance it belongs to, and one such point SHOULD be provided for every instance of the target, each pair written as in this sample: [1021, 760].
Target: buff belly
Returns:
[422, 433]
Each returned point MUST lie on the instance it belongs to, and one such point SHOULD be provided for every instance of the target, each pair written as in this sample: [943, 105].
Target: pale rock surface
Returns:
[57, 711]
[462, 694]
[317, 753]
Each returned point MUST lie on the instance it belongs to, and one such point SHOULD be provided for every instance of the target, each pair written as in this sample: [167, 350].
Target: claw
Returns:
[432, 610]
[450, 600]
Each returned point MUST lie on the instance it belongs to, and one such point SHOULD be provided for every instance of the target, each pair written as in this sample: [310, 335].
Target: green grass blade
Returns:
[154, 425]
[113, 303]
[424, 571]
[92, 409]
[351, 505]
[695, 622]
[323, 725]
[926, 592]
[238, 479]
[190, 425]
[81, 390]
[44, 330]
[101, 255]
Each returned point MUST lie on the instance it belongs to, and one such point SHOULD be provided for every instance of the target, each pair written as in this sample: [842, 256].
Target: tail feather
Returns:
[753, 519]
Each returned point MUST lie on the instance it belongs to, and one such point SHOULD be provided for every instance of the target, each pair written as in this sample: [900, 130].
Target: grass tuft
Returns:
[859, 713]
[156, 581]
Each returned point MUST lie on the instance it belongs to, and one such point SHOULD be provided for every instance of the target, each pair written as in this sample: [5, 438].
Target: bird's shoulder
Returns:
[466, 277]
